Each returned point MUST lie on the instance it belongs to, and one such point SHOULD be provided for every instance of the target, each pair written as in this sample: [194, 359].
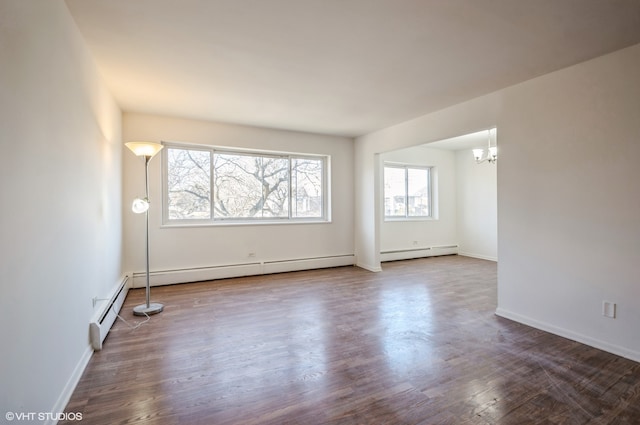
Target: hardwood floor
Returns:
[417, 343]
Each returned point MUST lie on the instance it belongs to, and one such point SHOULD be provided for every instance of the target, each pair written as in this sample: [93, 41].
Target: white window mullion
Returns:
[406, 192]
[212, 195]
[290, 189]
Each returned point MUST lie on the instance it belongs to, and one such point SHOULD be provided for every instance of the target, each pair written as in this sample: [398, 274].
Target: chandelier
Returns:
[490, 154]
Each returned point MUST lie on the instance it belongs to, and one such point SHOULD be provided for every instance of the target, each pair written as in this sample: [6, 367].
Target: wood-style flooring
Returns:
[417, 343]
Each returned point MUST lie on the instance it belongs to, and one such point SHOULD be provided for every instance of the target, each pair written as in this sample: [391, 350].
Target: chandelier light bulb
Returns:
[493, 152]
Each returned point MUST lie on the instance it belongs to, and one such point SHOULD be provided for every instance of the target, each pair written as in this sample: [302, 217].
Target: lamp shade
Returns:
[144, 148]
[478, 153]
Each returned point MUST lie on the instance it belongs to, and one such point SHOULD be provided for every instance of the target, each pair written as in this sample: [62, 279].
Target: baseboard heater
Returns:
[409, 253]
[197, 274]
[104, 318]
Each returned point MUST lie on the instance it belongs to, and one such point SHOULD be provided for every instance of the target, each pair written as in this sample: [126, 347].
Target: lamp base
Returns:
[143, 310]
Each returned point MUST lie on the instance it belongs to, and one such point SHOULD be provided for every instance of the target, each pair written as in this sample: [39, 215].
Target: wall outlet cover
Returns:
[609, 309]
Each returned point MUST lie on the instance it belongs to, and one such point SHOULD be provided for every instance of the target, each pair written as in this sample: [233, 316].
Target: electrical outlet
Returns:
[252, 255]
[609, 309]
[415, 243]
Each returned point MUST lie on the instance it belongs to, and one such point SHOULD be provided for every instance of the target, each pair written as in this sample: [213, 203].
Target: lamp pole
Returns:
[146, 234]
[146, 150]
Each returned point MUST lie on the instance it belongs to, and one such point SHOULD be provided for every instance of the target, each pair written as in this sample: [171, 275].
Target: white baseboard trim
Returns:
[480, 256]
[574, 336]
[197, 274]
[70, 387]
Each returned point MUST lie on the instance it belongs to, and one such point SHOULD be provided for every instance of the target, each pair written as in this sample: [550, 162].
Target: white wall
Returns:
[569, 201]
[367, 196]
[174, 248]
[568, 198]
[477, 215]
[61, 201]
[439, 231]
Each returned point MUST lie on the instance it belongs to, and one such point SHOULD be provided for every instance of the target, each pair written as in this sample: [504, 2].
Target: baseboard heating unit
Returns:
[105, 316]
[198, 274]
[408, 254]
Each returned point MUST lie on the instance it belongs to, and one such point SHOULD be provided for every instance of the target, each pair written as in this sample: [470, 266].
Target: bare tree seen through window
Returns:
[189, 184]
[245, 186]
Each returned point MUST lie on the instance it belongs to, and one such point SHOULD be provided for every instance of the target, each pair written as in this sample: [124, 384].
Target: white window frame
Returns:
[217, 221]
[406, 216]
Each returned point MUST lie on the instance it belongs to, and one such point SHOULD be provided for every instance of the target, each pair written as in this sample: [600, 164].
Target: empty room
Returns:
[320, 211]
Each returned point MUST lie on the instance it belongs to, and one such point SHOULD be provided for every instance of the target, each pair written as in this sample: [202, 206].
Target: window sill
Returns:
[231, 223]
[408, 219]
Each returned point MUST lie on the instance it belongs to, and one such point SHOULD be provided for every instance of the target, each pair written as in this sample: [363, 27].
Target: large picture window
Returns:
[209, 184]
[407, 191]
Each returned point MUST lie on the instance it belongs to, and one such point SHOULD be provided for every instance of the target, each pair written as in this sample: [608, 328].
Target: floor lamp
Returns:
[147, 150]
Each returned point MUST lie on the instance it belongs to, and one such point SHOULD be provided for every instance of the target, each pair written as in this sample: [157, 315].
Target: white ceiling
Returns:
[345, 67]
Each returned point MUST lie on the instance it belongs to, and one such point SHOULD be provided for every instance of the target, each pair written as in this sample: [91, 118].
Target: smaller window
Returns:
[407, 191]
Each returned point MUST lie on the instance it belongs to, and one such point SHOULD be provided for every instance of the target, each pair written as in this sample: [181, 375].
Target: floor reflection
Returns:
[406, 318]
